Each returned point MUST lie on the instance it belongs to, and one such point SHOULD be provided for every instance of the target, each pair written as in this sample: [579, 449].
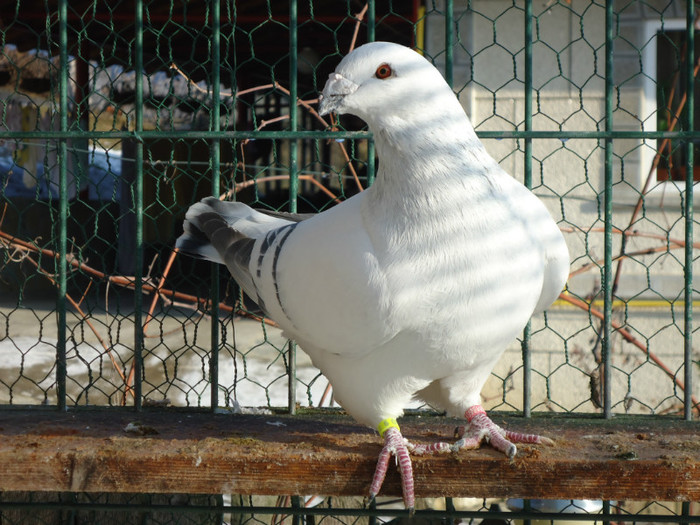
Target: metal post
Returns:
[215, 155]
[293, 113]
[607, 506]
[449, 41]
[688, 212]
[527, 179]
[450, 507]
[373, 511]
[607, 203]
[138, 204]
[292, 378]
[371, 26]
[296, 504]
[62, 268]
[293, 174]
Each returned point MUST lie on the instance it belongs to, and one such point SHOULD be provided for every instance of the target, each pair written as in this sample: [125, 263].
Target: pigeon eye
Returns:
[383, 71]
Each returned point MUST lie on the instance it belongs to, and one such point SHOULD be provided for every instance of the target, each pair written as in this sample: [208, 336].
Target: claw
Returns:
[395, 445]
[481, 428]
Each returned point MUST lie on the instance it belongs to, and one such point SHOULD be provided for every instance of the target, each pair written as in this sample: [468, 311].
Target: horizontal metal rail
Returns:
[604, 517]
[691, 136]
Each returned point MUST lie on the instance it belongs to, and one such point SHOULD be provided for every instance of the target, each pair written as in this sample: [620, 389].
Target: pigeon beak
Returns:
[336, 89]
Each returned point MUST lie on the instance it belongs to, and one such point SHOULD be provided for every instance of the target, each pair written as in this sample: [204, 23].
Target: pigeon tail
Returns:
[226, 233]
[209, 233]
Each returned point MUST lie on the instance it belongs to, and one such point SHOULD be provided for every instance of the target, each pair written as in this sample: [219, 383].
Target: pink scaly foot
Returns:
[481, 428]
[394, 445]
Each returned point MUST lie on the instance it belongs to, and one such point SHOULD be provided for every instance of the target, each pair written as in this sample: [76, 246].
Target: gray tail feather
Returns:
[205, 221]
[195, 243]
[208, 235]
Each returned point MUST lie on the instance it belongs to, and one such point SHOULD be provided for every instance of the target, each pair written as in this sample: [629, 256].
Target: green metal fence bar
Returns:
[293, 178]
[371, 37]
[449, 41]
[293, 110]
[137, 192]
[685, 511]
[215, 152]
[607, 507]
[606, 516]
[61, 262]
[296, 505]
[607, 277]
[373, 507]
[688, 212]
[371, 20]
[335, 135]
[450, 507]
[527, 179]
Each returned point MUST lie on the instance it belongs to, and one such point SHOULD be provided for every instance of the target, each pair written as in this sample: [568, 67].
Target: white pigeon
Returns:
[413, 288]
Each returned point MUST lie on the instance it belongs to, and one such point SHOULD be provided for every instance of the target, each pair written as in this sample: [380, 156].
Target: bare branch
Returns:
[358, 17]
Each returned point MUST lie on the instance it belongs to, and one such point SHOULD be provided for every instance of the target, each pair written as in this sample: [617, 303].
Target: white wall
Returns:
[569, 83]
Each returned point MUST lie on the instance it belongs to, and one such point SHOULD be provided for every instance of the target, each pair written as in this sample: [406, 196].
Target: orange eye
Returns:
[383, 71]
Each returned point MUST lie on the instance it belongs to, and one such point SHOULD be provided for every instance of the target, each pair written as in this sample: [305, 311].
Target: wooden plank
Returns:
[199, 453]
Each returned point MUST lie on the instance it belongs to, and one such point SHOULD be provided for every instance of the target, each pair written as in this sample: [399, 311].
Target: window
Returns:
[647, 91]
[671, 87]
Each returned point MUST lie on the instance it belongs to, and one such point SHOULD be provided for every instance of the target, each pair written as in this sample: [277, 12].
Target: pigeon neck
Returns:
[414, 184]
[411, 156]
[421, 132]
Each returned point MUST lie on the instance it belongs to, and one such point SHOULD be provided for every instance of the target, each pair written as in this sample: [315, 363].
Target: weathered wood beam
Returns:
[185, 452]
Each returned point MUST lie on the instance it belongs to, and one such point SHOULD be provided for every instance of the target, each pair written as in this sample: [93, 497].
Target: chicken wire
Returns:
[115, 118]
[201, 510]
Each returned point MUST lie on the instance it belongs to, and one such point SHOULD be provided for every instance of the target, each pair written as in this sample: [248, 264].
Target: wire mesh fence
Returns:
[115, 118]
[144, 508]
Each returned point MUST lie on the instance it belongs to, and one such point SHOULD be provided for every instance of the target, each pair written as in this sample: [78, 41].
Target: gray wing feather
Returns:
[293, 217]
[208, 236]
[212, 231]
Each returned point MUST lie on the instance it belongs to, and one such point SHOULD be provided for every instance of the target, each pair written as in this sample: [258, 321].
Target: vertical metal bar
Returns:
[450, 507]
[685, 506]
[371, 35]
[293, 175]
[373, 512]
[527, 510]
[526, 344]
[296, 504]
[449, 41]
[138, 204]
[606, 510]
[293, 113]
[607, 197]
[688, 211]
[62, 268]
[215, 155]
[292, 378]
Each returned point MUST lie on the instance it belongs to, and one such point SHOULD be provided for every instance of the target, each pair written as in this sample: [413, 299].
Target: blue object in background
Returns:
[103, 183]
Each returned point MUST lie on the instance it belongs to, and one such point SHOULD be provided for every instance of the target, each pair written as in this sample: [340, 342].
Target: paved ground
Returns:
[252, 360]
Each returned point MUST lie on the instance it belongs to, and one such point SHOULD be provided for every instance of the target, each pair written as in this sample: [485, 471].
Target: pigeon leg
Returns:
[394, 445]
[481, 428]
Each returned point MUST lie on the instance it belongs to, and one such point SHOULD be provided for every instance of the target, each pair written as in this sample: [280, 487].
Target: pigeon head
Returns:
[383, 79]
